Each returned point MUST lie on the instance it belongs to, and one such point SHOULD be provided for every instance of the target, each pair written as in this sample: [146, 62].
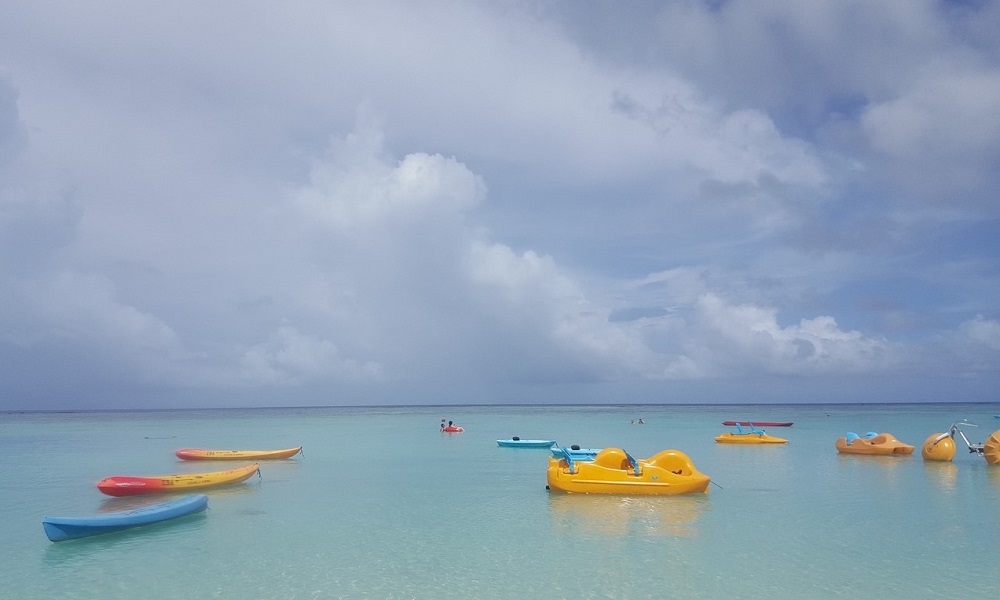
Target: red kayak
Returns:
[758, 423]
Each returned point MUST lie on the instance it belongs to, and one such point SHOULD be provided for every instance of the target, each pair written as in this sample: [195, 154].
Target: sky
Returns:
[249, 203]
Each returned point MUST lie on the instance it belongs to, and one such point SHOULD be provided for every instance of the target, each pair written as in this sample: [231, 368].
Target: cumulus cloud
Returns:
[529, 196]
[431, 285]
[290, 357]
[751, 335]
[939, 136]
[356, 191]
[983, 331]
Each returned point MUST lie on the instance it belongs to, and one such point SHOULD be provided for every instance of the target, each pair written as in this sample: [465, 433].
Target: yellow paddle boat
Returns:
[614, 471]
[753, 436]
[881, 444]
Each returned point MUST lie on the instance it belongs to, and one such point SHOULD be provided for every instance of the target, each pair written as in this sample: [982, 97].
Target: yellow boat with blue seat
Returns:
[873, 443]
[615, 471]
[749, 436]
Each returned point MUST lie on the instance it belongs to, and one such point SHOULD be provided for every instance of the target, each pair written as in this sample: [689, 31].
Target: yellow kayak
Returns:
[614, 471]
[200, 454]
[126, 485]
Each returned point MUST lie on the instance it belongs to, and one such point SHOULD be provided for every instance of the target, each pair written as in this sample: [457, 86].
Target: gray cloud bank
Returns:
[242, 204]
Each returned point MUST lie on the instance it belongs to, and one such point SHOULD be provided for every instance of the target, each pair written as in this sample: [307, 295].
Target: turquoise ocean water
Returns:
[383, 505]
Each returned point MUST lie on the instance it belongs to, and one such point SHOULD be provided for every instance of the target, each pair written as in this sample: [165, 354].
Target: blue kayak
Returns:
[69, 528]
[576, 453]
[516, 442]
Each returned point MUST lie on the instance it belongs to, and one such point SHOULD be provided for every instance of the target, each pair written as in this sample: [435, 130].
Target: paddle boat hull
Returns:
[59, 529]
[453, 429]
[200, 454]
[881, 444]
[749, 438]
[519, 443]
[758, 423]
[613, 471]
[124, 485]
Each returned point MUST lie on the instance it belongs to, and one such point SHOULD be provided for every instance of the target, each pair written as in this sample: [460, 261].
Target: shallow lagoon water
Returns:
[383, 505]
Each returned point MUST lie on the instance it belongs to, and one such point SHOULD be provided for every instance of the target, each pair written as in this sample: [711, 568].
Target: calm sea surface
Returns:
[383, 505]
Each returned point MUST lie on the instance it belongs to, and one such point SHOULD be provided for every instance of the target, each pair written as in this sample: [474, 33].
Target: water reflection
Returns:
[994, 475]
[943, 475]
[627, 515]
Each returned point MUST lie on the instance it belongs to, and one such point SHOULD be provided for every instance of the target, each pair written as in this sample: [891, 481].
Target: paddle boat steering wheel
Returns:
[569, 459]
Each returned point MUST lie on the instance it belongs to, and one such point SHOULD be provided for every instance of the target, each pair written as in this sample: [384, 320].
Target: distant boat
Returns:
[516, 442]
[59, 529]
[127, 485]
[751, 436]
[759, 423]
[200, 454]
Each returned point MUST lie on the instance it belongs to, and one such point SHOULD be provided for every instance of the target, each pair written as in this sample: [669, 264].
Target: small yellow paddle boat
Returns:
[881, 444]
[753, 436]
[614, 471]
[200, 454]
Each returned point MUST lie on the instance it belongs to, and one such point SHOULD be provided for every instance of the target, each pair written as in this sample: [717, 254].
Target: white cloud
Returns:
[289, 357]
[420, 186]
[982, 331]
[751, 335]
[184, 197]
[940, 136]
[538, 299]
[85, 306]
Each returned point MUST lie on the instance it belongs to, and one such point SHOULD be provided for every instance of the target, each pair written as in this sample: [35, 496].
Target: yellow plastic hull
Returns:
[669, 472]
[200, 454]
[939, 446]
[749, 438]
[884, 444]
[991, 448]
